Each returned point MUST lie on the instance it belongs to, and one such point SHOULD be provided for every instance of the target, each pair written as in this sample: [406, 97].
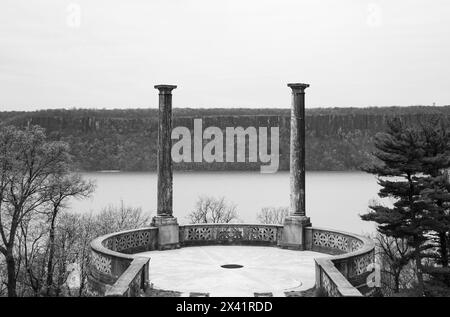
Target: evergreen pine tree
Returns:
[436, 184]
[400, 150]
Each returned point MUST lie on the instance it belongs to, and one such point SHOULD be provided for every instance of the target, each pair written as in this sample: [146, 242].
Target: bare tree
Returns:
[84, 228]
[74, 232]
[213, 210]
[62, 187]
[113, 218]
[3, 283]
[31, 255]
[27, 161]
[84, 250]
[69, 247]
[272, 215]
[395, 255]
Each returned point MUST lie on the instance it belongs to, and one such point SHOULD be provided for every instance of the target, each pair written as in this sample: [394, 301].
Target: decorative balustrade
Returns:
[352, 258]
[113, 255]
[243, 234]
[116, 269]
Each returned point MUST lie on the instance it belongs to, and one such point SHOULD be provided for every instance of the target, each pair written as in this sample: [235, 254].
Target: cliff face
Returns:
[337, 139]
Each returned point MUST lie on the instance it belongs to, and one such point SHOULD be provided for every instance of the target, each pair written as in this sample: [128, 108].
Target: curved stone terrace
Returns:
[231, 259]
[129, 262]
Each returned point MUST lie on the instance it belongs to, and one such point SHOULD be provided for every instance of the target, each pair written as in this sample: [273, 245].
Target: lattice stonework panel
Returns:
[328, 285]
[132, 240]
[360, 263]
[330, 240]
[198, 233]
[135, 285]
[230, 233]
[101, 263]
[356, 245]
[262, 234]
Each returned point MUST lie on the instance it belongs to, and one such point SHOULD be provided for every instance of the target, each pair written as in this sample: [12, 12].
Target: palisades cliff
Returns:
[337, 139]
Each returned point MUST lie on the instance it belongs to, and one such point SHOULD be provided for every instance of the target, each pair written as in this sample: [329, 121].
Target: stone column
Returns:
[297, 158]
[294, 225]
[164, 220]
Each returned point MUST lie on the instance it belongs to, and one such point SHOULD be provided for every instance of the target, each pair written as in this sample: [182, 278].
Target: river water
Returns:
[333, 199]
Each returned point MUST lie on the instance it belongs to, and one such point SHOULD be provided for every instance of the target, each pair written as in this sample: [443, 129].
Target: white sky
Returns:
[227, 53]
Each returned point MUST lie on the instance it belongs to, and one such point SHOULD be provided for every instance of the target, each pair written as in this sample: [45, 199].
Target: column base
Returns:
[293, 236]
[168, 232]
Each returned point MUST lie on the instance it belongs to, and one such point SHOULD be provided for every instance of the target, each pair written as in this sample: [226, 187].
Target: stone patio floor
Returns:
[265, 271]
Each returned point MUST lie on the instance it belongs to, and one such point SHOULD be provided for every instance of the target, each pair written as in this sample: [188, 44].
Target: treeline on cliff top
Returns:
[337, 139]
[153, 111]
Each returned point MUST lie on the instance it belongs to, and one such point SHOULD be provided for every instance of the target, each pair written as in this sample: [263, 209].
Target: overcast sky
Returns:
[228, 53]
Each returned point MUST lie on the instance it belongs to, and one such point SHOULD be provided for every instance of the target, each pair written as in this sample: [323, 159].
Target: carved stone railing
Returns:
[351, 260]
[114, 265]
[230, 234]
[116, 271]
